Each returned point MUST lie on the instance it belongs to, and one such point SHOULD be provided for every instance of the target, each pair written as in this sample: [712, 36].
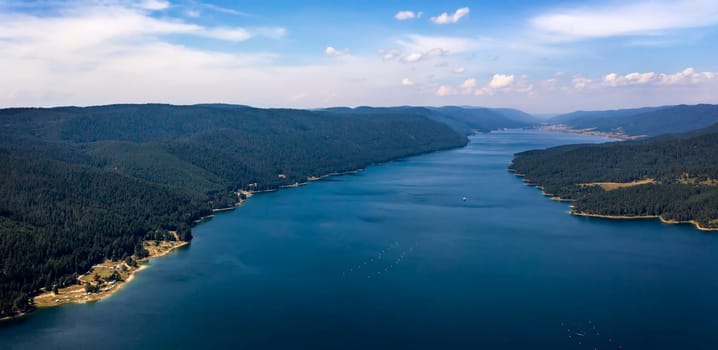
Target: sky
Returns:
[542, 56]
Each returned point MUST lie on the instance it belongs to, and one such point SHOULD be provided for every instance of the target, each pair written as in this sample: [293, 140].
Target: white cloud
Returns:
[389, 55]
[549, 84]
[224, 10]
[523, 85]
[459, 70]
[499, 81]
[331, 51]
[688, 76]
[611, 79]
[468, 84]
[105, 26]
[56, 36]
[641, 17]
[269, 32]
[423, 47]
[412, 57]
[437, 52]
[407, 82]
[420, 56]
[154, 5]
[449, 44]
[193, 13]
[228, 34]
[580, 82]
[640, 78]
[445, 90]
[116, 51]
[446, 18]
[499, 84]
[237, 34]
[614, 79]
[404, 15]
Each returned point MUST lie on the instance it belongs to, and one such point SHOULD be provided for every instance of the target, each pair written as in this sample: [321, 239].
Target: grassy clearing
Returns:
[610, 186]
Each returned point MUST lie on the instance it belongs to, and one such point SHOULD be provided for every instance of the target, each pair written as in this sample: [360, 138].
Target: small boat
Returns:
[580, 334]
[465, 199]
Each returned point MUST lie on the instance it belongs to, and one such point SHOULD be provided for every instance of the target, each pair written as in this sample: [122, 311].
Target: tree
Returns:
[115, 276]
[130, 261]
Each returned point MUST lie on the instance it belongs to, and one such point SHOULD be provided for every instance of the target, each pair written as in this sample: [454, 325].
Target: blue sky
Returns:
[539, 56]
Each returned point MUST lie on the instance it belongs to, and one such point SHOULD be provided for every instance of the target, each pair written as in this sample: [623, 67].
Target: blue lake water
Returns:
[393, 258]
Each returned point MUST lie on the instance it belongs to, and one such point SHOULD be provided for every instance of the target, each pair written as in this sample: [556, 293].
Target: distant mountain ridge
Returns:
[647, 121]
[584, 118]
[631, 122]
[465, 120]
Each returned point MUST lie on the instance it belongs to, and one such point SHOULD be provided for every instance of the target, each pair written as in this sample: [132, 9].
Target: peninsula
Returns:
[106, 278]
[673, 177]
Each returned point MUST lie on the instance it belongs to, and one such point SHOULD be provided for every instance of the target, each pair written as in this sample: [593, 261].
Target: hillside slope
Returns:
[649, 121]
[465, 120]
[80, 185]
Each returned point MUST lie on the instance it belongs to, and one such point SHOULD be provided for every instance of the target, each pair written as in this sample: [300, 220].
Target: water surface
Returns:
[393, 257]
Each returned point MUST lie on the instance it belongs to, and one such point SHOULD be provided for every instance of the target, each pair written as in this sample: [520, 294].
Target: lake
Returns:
[392, 257]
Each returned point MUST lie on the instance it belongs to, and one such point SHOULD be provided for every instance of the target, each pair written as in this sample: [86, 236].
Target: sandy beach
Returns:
[99, 277]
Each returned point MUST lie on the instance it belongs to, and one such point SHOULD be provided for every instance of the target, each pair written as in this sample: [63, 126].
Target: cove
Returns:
[392, 257]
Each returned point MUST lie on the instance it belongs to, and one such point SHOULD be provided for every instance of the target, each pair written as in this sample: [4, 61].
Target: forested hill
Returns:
[649, 121]
[465, 120]
[674, 176]
[80, 185]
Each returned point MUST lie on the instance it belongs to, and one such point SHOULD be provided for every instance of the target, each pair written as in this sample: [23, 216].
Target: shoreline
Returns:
[49, 299]
[588, 132]
[317, 178]
[528, 182]
[240, 201]
[76, 294]
[553, 197]
[117, 285]
[249, 193]
[638, 217]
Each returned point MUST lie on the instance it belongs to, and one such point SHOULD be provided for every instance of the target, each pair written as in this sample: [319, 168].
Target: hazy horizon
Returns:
[536, 115]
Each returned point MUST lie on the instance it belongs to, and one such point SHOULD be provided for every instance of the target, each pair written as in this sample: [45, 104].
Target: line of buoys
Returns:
[588, 334]
[379, 258]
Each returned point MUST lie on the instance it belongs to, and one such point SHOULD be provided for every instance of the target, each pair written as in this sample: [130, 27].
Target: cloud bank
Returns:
[629, 18]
